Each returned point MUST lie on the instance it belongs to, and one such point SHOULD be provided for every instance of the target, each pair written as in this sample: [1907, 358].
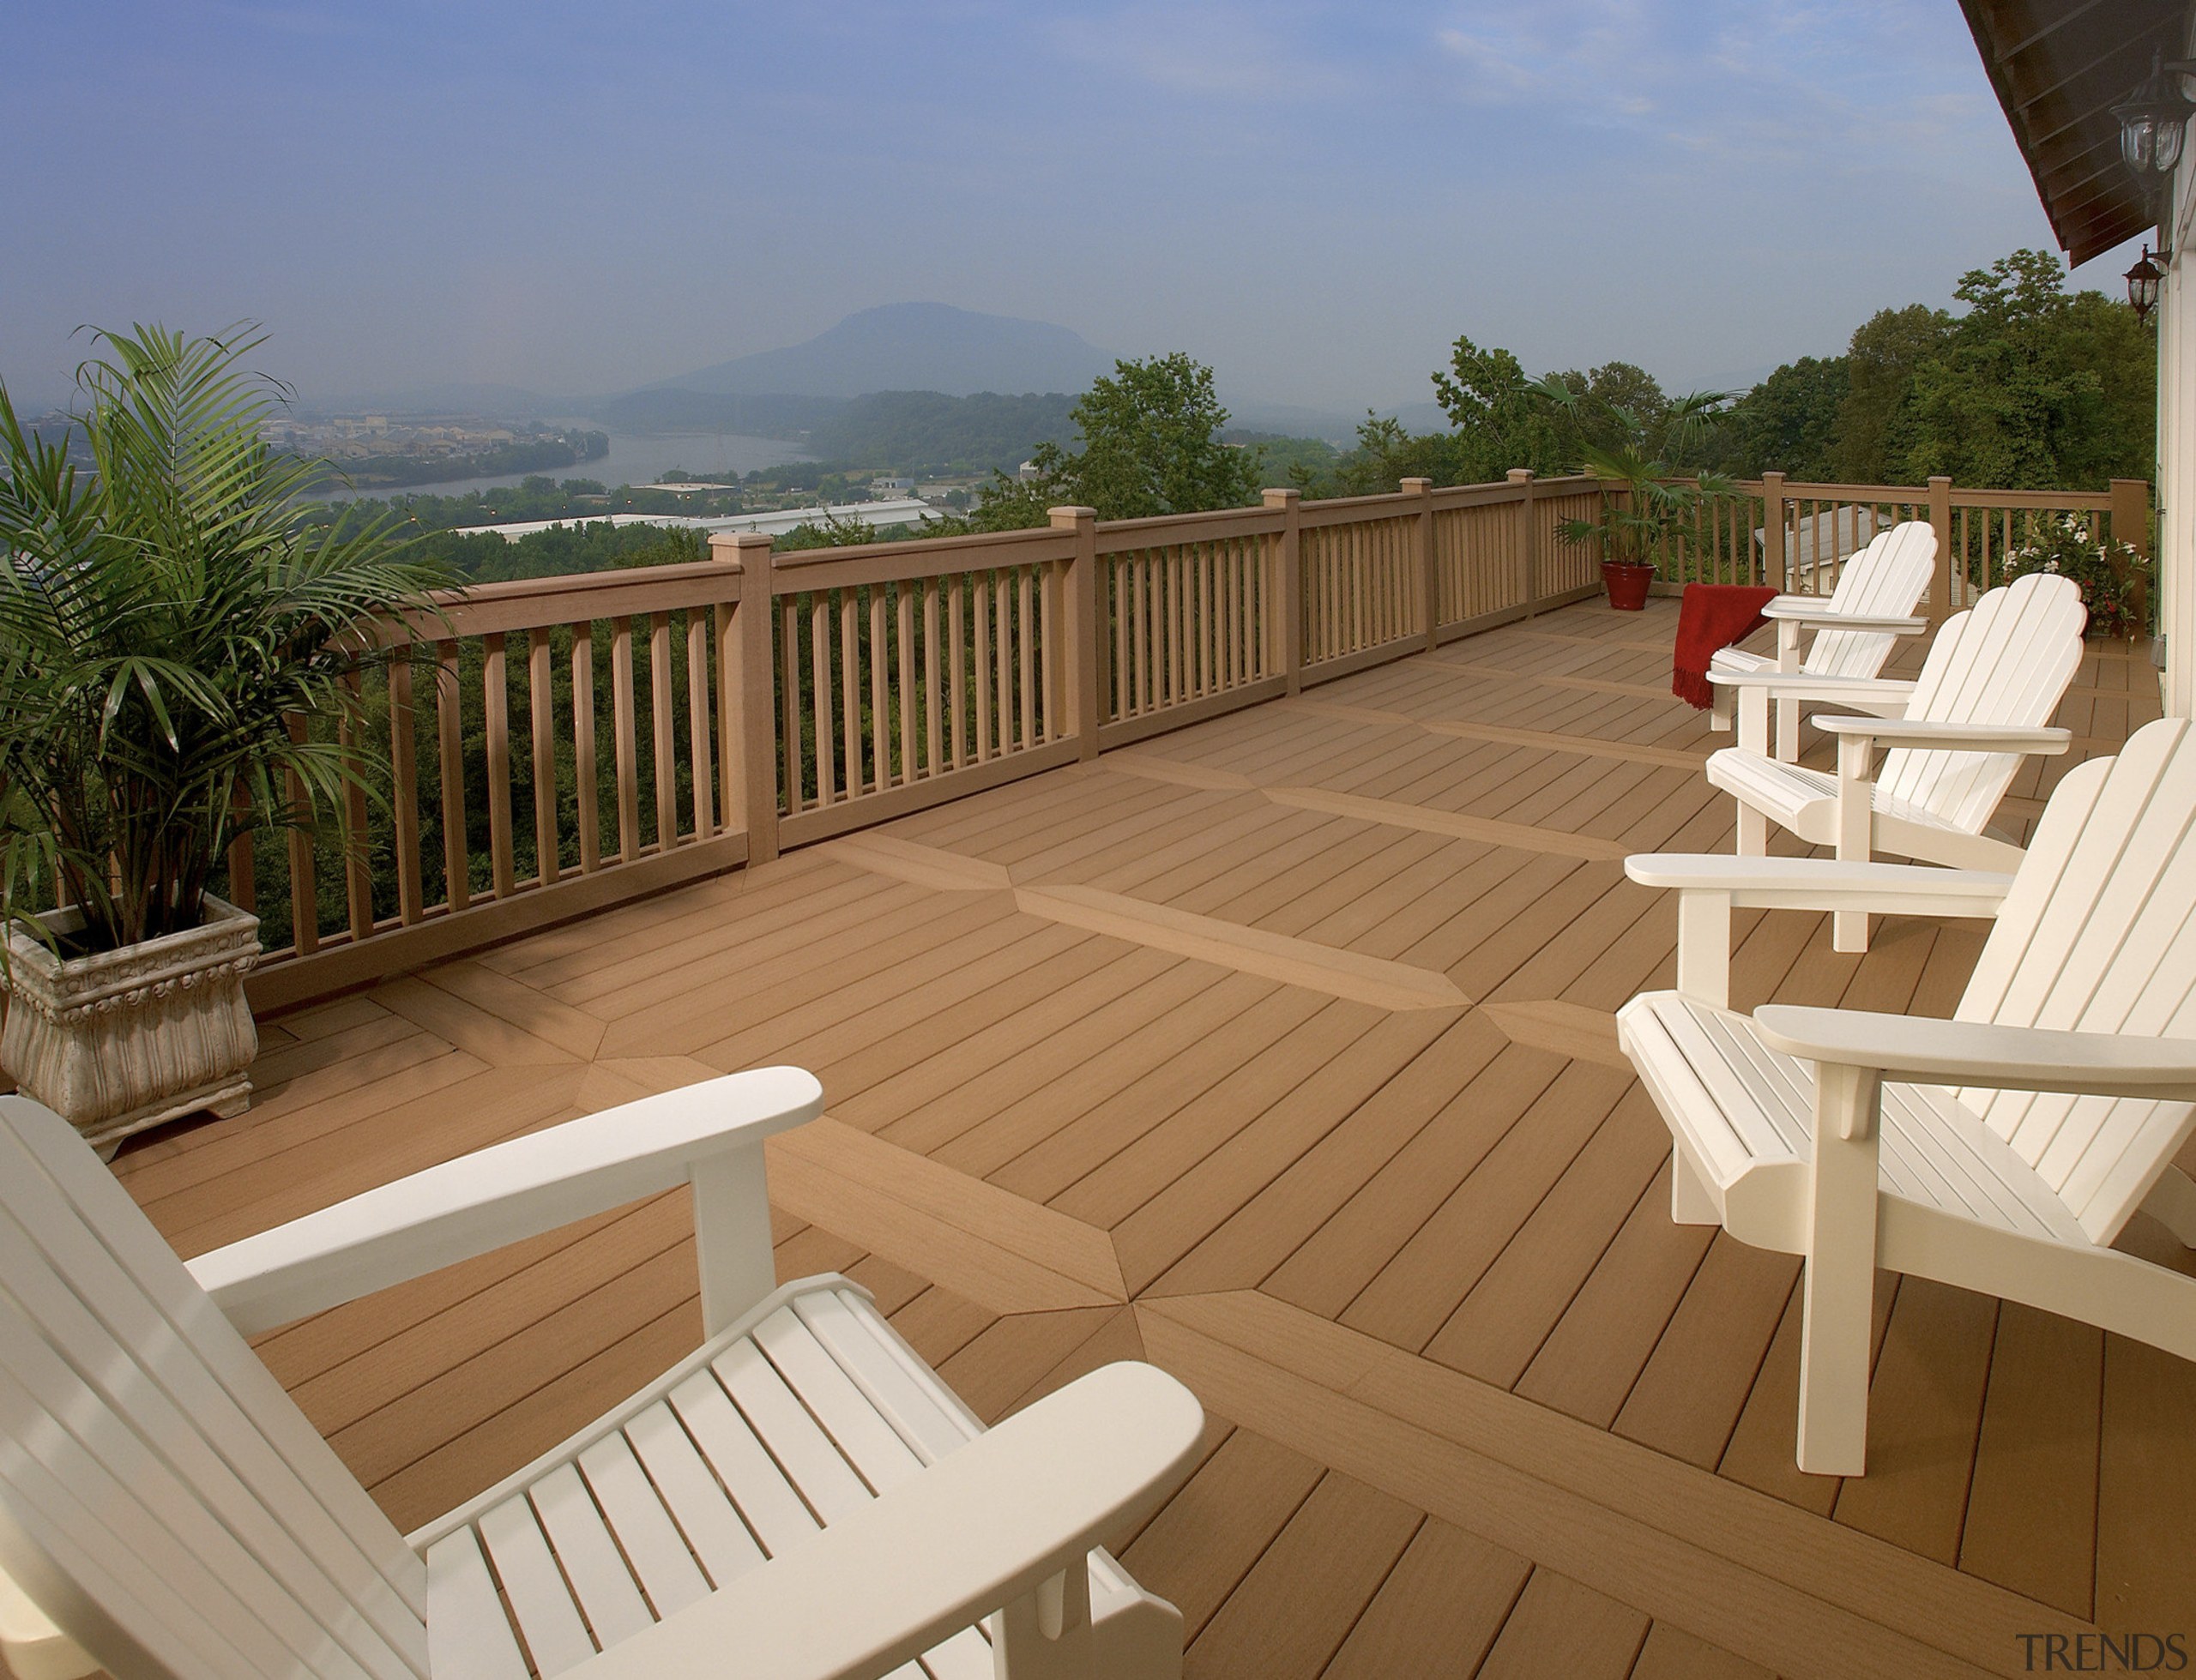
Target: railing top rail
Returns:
[1963, 495]
[1121, 536]
[2084, 500]
[804, 570]
[543, 602]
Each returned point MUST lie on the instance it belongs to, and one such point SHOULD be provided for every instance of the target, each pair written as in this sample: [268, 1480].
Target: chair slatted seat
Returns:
[166, 1503]
[2004, 1151]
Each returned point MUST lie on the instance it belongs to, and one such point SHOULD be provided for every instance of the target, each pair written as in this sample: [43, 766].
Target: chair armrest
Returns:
[1950, 736]
[1824, 883]
[987, 1524]
[1806, 610]
[1808, 686]
[1961, 1053]
[500, 1195]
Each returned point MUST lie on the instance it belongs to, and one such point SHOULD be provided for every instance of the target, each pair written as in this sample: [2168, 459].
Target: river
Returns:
[631, 460]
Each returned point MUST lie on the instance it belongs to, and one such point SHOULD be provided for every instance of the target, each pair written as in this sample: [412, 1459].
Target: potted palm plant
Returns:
[164, 617]
[1644, 504]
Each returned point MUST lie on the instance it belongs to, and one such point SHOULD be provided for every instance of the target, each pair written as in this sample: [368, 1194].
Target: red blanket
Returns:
[1712, 616]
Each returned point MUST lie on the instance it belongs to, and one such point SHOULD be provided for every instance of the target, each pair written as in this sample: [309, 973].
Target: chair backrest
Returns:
[2099, 934]
[161, 1498]
[1885, 579]
[2007, 659]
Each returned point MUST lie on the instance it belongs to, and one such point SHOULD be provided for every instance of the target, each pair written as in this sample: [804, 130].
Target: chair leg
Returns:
[1838, 1291]
[1692, 1202]
[1719, 710]
[1848, 930]
[1753, 832]
[1787, 730]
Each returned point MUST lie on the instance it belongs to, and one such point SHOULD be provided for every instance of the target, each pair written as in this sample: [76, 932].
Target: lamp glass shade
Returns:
[2143, 284]
[2154, 122]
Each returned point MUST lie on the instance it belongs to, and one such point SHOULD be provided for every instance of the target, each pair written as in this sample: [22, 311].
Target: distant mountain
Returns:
[911, 347]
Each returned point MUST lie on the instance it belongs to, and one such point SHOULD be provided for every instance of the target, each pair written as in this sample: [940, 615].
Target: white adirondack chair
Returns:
[1855, 626]
[2001, 1151]
[1994, 676]
[801, 1496]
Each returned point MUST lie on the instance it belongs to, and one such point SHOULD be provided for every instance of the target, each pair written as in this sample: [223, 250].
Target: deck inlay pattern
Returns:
[1280, 1050]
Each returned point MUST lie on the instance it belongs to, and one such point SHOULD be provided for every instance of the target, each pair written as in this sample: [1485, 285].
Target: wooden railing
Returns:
[562, 744]
[1798, 536]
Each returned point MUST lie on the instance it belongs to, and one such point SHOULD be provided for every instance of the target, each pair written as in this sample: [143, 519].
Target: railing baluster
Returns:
[850, 695]
[933, 733]
[456, 851]
[404, 791]
[789, 641]
[1002, 658]
[305, 879]
[958, 669]
[542, 722]
[980, 600]
[880, 714]
[495, 697]
[660, 723]
[358, 875]
[1025, 647]
[624, 740]
[819, 652]
[697, 721]
[1053, 666]
[587, 801]
[904, 610]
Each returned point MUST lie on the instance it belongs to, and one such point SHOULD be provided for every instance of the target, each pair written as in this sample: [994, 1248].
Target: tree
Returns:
[1151, 445]
[2033, 388]
[1788, 422]
[1499, 423]
[1879, 365]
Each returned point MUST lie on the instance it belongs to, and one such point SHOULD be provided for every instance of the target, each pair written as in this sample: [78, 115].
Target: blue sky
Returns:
[1314, 198]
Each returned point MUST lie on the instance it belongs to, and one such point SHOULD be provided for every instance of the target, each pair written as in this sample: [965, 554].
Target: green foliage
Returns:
[568, 448]
[1304, 462]
[1645, 505]
[162, 617]
[2115, 581]
[1498, 422]
[926, 431]
[1880, 367]
[830, 532]
[1151, 443]
[2033, 388]
[1788, 422]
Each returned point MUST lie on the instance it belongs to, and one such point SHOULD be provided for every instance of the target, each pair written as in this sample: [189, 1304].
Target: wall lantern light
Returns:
[2154, 120]
[2143, 284]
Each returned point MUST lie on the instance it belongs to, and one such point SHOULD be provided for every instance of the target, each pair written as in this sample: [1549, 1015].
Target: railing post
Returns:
[1774, 569]
[747, 712]
[1528, 536]
[1285, 592]
[1941, 603]
[1422, 539]
[2131, 514]
[1084, 631]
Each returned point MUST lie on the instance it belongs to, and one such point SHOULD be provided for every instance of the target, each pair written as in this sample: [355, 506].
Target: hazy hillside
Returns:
[659, 411]
[912, 347]
[912, 431]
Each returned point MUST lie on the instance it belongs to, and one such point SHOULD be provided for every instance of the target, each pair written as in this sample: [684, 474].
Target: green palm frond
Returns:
[164, 614]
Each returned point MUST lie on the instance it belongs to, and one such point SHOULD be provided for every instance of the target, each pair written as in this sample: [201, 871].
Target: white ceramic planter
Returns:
[124, 1040]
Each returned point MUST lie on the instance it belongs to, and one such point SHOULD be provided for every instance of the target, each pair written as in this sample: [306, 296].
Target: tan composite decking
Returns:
[1277, 1051]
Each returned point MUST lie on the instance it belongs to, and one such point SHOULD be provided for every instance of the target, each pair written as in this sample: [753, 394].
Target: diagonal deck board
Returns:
[1278, 1050]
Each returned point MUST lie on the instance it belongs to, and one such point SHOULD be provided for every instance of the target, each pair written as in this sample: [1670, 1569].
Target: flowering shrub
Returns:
[2114, 579]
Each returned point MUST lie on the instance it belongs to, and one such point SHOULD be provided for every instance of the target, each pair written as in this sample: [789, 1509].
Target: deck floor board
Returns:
[1370, 1231]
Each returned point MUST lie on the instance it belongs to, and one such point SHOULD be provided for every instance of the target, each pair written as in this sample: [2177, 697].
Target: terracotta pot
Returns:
[120, 1040]
[1626, 584]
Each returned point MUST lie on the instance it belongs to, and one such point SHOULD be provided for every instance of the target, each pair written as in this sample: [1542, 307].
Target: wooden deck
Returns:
[1279, 1051]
